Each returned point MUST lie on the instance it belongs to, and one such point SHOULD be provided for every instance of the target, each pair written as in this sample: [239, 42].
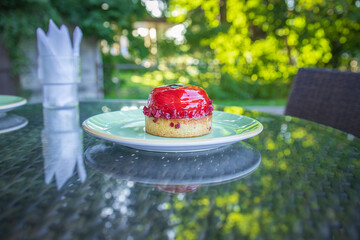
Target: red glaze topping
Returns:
[178, 101]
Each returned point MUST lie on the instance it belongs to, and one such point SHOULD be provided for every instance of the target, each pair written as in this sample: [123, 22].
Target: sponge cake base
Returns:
[178, 128]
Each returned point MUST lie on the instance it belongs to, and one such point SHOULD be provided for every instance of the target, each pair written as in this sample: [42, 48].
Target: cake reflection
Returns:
[174, 172]
[178, 188]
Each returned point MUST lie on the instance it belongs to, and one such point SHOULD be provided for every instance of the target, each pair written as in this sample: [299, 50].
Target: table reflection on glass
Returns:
[297, 179]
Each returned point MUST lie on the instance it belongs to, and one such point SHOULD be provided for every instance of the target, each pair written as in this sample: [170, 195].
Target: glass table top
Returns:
[297, 179]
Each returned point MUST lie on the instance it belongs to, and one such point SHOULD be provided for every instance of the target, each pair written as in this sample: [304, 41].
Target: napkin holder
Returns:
[58, 65]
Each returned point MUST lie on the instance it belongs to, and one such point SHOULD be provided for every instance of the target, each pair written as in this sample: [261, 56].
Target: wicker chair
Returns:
[327, 97]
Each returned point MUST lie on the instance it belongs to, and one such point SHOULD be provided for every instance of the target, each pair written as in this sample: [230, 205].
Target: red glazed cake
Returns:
[178, 110]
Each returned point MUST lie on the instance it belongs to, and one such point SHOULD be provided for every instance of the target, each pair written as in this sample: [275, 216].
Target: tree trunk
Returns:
[8, 82]
[222, 4]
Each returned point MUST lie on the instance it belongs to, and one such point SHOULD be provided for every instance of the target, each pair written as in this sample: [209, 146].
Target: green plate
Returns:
[128, 128]
[8, 102]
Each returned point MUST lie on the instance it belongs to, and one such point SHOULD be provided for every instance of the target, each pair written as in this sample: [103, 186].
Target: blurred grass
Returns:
[252, 102]
[124, 88]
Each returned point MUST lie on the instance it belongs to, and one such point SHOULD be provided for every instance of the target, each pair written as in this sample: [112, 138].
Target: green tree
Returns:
[101, 19]
[264, 42]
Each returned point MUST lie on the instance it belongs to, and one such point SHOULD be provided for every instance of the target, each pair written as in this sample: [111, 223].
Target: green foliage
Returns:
[18, 22]
[263, 43]
[103, 19]
[20, 18]
[137, 48]
[115, 79]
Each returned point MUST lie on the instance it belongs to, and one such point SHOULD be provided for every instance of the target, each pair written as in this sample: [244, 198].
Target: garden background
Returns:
[243, 52]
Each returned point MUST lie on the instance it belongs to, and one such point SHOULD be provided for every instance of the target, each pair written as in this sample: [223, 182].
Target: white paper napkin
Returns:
[58, 57]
